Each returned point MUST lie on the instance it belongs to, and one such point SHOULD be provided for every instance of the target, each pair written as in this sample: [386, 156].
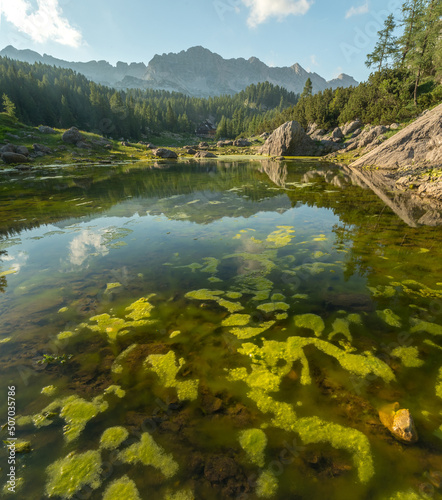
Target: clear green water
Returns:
[185, 289]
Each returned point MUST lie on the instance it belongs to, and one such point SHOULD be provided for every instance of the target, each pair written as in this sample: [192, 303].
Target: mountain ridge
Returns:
[196, 72]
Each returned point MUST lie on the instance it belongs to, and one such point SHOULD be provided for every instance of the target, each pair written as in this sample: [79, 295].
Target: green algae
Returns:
[277, 297]
[315, 430]
[148, 452]
[77, 412]
[249, 331]
[211, 265]
[236, 320]
[179, 495]
[214, 279]
[63, 310]
[19, 482]
[117, 365]
[166, 367]
[266, 484]
[116, 390]
[113, 437]
[204, 294]
[416, 289]
[70, 474]
[254, 442]
[193, 267]
[65, 335]
[266, 259]
[280, 238]
[310, 322]
[112, 286]
[232, 307]
[111, 326]
[49, 390]
[122, 489]
[341, 326]
[140, 309]
[175, 334]
[281, 316]
[409, 356]
[256, 285]
[406, 495]
[273, 307]
[425, 326]
[233, 295]
[386, 291]
[300, 296]
[439, 384]
[389, 317]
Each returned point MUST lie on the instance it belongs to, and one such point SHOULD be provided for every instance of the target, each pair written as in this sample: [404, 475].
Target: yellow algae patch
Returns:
[77, 412]
[311, 322]
[49, 390]
[174, 334]
[166, 367]
[280, 238]
[122, 489]
[236, 320]
[140, 309]
[230, 306]
[63, 309]
[113, 437]
[425, 326]
[111, 286]
[148, 452]
[233, 295]
[249, 331]
[273, 306]
[117, 365]
[281, 316]
[70, 474]
[408, 355]
[315, 430]
[341, 326]
[389, 317]
[211, 265]
[414, 288]
[179, 495]
[204, 294]
[266, 485]
[254, 442]
[214, 279]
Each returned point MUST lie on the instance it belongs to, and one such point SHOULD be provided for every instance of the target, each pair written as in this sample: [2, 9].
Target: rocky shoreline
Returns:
[406, 158]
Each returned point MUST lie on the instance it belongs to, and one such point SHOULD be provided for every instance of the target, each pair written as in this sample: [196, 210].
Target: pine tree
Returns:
[386, 48]
[9, 106]
[308, 89]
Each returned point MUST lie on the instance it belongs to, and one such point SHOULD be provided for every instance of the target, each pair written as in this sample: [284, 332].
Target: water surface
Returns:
[237, 326]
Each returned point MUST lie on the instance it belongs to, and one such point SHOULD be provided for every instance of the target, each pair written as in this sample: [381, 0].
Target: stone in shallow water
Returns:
[399, 422]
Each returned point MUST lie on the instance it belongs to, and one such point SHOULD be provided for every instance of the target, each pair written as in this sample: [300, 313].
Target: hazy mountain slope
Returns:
[196, 72]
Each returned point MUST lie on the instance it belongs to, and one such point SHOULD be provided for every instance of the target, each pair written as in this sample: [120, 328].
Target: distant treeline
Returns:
[59, 97]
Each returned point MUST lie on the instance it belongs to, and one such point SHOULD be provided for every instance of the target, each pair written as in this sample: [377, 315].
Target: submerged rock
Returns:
[399, 422]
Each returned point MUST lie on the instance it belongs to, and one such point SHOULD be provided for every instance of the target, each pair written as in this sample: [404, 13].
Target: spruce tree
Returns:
[308, 89]
[385, 49]
[8, 106]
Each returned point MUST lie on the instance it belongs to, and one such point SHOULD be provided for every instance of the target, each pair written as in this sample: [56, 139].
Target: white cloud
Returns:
[261, 10]
[314, 60]
[85, 244]
[41, 24]
[357, 11]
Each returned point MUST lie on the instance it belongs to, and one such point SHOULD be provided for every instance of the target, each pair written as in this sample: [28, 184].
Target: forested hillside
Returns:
[407, 60]
[59, 97]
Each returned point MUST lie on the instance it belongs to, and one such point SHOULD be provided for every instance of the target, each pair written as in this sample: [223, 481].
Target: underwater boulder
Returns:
[399, 422]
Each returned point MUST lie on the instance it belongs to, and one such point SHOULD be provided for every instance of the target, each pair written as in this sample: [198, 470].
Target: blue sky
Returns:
[327, 37]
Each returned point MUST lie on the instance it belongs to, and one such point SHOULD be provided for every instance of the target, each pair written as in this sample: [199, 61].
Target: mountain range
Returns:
[196, 72]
